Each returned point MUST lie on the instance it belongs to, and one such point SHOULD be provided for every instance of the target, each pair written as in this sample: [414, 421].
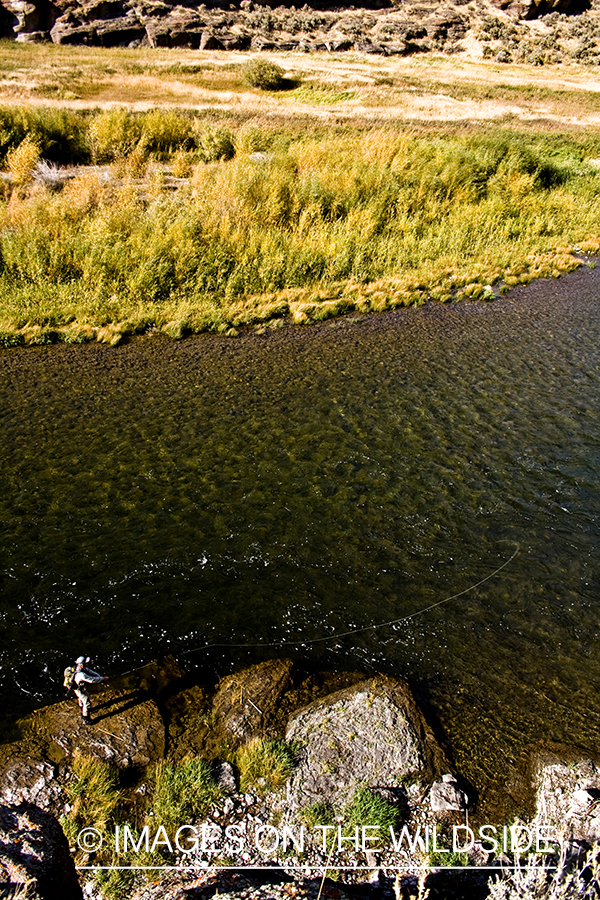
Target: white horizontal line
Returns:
[284, 867]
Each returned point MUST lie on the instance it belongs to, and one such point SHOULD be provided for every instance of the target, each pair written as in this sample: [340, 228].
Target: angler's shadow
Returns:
[117, 705]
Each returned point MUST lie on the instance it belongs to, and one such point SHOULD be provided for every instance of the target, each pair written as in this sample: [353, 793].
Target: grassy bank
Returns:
[184, 226]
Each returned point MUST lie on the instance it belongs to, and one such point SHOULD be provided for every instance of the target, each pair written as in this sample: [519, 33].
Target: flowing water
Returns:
[290, 486]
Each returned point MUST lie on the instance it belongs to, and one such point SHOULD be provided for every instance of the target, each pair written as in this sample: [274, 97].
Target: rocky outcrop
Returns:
[127, 730]
[370, 734]
[399, 28]
[35, 861]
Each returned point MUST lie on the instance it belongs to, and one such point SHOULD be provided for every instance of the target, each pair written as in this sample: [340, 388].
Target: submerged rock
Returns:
[370, 734]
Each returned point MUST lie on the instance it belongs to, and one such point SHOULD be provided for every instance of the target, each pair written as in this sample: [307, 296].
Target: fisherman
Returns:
[84, 676]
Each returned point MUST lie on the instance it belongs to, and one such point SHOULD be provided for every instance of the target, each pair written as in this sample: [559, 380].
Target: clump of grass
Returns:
[215, 143]
[181, 164]
[264, 765]
[183, 792]
[263, 74]
[370, 808]
[93, 794]
[317, 814]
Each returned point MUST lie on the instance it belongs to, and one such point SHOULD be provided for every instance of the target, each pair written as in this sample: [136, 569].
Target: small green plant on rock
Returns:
[264, 765]
[369, 808]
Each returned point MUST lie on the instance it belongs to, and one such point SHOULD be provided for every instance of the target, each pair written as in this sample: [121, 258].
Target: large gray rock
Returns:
[34, 856]
[30, 780]
[370, 734]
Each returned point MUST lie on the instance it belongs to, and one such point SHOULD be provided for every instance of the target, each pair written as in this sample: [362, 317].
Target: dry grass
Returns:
[233, 206]
[426, 88]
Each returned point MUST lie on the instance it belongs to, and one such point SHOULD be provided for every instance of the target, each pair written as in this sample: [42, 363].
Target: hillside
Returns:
[522, 31]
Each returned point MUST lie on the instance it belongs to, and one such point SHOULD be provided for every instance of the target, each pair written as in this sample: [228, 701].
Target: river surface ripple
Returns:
[294, 485]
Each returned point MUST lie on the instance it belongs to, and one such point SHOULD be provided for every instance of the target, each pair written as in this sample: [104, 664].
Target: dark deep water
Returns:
[159, 496]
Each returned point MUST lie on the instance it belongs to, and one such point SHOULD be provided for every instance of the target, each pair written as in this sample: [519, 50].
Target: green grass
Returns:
[180, 794]
[264, 765]
[183, 793]
[94, 796]
[317, 814]
[315, 226]
[368, 808]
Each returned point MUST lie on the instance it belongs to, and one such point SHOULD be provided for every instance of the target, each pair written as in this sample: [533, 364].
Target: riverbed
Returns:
[271, 492]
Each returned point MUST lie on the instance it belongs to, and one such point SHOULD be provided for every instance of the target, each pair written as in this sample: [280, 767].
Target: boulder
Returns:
[247, 703]
[34, 856]
[368, 47]
[31, 780]
[371, 733]
[225, 777]
[446, 796]
[65, 33]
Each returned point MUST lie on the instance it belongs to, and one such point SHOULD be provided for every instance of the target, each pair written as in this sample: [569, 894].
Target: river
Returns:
[307, 482]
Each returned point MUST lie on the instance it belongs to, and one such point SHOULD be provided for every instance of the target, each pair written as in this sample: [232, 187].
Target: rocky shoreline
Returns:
[349, 735]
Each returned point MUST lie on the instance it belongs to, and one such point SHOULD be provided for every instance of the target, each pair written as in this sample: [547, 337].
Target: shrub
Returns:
[261, 73]
[164, 131]
[22, 161]
[49, 175]
[112, 134]
[264, 765]
[215, 143]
